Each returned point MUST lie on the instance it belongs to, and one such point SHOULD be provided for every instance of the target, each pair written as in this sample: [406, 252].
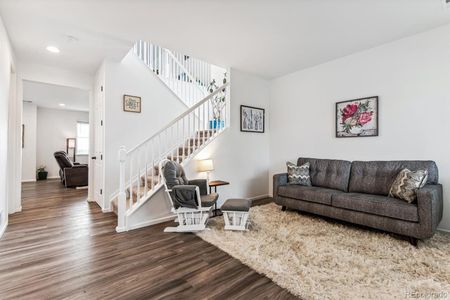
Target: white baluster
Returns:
[122, 198]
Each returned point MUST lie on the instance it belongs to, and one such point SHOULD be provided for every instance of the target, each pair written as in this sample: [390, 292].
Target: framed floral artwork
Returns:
[357, 118]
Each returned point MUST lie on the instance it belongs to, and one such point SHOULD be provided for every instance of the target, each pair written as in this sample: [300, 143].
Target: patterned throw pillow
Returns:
[407, 183]
[298, 174]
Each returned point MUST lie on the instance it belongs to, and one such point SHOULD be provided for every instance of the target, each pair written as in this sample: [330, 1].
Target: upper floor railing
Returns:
[186, 76]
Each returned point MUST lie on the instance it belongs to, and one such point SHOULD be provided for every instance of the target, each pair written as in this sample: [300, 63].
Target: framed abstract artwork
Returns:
[357, 118]
[132, 103]
[252, 119]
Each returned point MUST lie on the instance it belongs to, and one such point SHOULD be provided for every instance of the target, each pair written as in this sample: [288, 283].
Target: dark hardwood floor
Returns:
[61, 246]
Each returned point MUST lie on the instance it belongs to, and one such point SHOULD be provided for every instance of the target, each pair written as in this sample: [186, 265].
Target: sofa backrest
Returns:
[328, 173]
[376, 177]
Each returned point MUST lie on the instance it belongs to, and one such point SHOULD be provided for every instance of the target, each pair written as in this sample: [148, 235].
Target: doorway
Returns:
[56, 136]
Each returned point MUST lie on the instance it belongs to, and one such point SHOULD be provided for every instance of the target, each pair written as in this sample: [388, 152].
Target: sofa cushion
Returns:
[376, 177]
[377, 205]
[307, 193]
[298, 174]
[328, 173]
[407, 183]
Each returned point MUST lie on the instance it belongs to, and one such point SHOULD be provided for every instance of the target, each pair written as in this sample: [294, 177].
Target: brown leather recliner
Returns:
[71, 174]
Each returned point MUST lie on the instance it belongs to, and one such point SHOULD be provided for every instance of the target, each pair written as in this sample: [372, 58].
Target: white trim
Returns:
[105, 210]
[120, 229]
[2, 230]
[19, 209]
[28, 180]
[152, 222]
[444, 230]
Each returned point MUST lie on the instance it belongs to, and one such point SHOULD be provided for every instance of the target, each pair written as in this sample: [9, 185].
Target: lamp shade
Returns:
[205, 165]
[71, 143]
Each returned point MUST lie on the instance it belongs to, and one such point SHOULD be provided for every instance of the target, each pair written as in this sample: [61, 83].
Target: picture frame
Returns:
[357, 117]
[252, 119]
[132, 103]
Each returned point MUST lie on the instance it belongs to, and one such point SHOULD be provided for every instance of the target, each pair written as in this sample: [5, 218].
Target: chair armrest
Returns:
[184, 188]
[430, 206]
[76, 176]
[202, 184]
[80, 166]
[278, 180]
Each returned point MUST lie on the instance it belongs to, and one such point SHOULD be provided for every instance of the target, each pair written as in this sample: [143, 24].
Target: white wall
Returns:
[159, 107]
[53, 127]
[29, 120]
[412, 78]
[242, 158]
[6, 63]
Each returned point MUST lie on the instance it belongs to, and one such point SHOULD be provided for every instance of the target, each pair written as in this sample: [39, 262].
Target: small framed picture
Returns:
[357, 118]
[252, 119]
[132, 103]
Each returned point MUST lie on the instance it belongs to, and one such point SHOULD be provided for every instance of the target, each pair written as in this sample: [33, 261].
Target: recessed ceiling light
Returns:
[52, 49]
[62, 105]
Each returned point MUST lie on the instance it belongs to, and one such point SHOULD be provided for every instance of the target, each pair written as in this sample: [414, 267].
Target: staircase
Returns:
[181, 140]
[187, 77]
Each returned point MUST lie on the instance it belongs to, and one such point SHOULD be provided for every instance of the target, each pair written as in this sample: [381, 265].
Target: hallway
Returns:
[61, 246]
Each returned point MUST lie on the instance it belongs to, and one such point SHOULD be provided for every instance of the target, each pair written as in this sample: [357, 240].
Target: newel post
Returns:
[122, 198]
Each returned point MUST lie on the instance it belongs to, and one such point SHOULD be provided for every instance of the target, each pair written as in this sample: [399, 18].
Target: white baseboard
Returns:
[444, 230]
[28, 180]
[106, 210]
[81, 187]
[2, 230]
[152, 222]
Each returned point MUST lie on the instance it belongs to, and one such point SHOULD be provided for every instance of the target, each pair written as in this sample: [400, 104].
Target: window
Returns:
[82, 138]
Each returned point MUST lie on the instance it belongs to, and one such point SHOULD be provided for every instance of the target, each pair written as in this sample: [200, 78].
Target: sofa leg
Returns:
[283, 208]
[413, 241]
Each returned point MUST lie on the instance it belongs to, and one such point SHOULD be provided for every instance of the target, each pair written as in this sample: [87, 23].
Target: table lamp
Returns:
[205, 165]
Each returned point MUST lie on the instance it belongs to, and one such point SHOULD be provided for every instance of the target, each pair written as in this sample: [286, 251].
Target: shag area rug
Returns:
[318, 259]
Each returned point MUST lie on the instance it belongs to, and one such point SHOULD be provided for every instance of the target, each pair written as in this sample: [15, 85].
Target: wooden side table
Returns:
[214, 184]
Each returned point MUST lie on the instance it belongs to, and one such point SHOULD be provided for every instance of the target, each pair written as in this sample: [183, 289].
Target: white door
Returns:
[97, 159]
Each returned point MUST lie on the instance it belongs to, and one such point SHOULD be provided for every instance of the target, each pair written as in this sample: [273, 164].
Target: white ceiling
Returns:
[50, 96]
[265, 37]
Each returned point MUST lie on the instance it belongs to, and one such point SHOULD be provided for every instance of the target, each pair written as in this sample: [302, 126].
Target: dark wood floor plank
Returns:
[62, 247]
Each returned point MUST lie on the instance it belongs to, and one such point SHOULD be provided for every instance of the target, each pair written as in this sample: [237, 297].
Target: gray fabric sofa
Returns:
[357, 192]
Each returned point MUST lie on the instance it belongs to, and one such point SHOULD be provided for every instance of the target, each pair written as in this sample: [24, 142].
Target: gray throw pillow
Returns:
[407, 183]
[298, 174]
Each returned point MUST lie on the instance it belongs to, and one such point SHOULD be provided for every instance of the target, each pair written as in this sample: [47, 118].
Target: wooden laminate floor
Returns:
[62, 247]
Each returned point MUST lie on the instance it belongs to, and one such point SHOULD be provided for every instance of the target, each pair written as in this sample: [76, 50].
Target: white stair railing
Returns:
[186, 76]
[180, 140]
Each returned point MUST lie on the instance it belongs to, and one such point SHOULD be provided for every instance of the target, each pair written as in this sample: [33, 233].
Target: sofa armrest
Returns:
[202, 184]
[278, 180]
[76, 176]
[430, 206]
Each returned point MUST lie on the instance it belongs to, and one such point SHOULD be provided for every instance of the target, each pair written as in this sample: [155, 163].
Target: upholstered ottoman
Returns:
[235, 213]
